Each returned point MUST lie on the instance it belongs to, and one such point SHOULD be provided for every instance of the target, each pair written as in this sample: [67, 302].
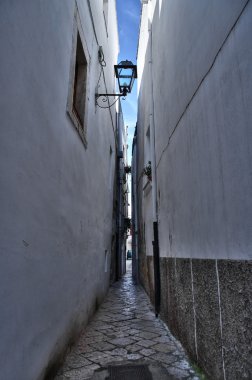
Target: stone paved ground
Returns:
[125, 330]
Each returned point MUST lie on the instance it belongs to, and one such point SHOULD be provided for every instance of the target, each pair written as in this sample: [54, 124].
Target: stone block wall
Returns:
[207, 305]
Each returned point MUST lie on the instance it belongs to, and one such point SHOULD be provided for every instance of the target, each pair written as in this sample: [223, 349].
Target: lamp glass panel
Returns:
[125, 82]
[127, 72]
[125, 78]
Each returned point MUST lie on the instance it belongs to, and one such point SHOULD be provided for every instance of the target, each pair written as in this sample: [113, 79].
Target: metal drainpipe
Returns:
[136, 212]
[155, 242]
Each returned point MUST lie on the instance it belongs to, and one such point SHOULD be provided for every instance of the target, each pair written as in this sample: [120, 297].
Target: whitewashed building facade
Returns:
[57, 163]
[194, 125]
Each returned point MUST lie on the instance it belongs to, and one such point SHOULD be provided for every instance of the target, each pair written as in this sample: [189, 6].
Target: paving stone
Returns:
[118, 351]
[147, 335]
[76, 361]
[125, 330]
[162, 347]
[164, 358]
[134, 356]
[83, 348]
[136, 338]
[147, 352]
[104, 327]
[134, 332]
[133, 348]
[163, 339]
[103, 345]
[157, 330]
[146, 343]
[96, 356]
[104, 360]
[119, 334]
[121, 342]
[94, 339]
[143, 325]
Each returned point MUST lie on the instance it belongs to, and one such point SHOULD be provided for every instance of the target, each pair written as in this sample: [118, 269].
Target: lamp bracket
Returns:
[106, 95]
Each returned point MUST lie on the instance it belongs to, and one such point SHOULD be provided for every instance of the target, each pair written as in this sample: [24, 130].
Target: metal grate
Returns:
[129, 372]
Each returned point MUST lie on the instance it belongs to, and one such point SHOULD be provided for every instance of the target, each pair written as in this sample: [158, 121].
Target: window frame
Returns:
[81, 128]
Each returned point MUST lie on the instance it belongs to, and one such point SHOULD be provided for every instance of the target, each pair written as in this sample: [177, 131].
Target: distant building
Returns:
[118, 263]
[194, 126]
[58, 154]
[134, 211]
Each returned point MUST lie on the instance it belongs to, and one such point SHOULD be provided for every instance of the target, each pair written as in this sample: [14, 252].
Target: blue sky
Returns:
[128, 13]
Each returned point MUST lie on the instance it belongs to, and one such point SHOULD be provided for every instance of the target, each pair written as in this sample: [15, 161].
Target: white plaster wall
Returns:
[202, 92]
[56, 201]
[142, 44]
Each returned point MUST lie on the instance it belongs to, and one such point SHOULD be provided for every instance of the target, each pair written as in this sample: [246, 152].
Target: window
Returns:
[78, 83]
[80, 79]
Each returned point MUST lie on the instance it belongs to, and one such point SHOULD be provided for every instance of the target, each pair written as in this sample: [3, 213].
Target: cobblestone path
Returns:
[125, 331]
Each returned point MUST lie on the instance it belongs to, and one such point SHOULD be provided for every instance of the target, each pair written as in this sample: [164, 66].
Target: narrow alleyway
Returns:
[125, 331]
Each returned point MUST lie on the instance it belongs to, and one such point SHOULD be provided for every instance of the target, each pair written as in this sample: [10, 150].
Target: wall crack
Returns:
[201, 82]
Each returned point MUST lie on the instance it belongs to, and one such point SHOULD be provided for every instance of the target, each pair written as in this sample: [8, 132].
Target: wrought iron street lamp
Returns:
[126, 73]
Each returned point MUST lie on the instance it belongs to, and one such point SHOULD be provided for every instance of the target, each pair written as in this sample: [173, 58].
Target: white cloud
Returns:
[133, 15]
